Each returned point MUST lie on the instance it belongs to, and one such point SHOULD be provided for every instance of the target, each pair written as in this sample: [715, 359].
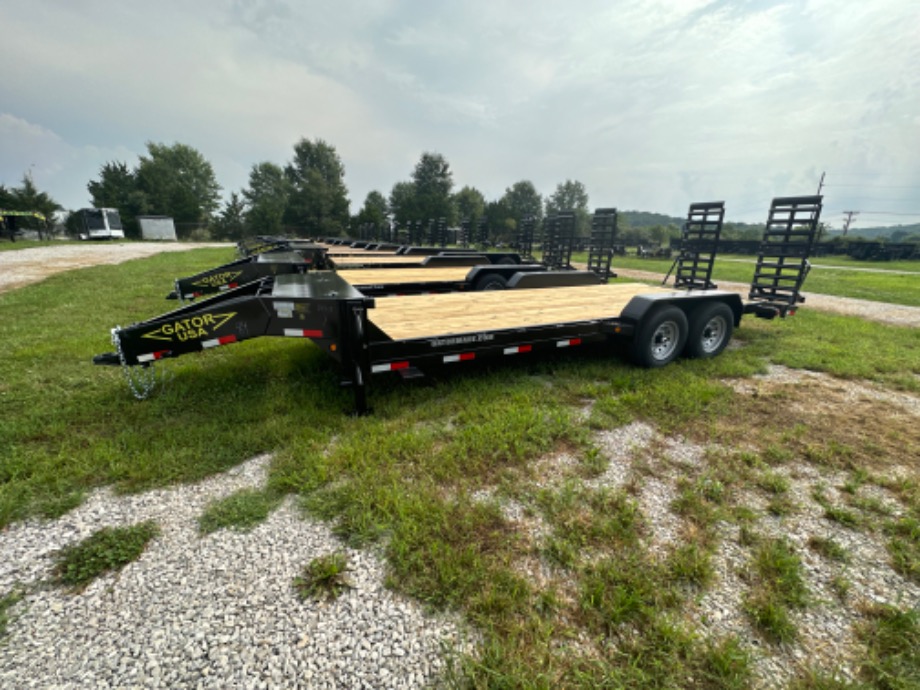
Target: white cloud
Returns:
[651, 104]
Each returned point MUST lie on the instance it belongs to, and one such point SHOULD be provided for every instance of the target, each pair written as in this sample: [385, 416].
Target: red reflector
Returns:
[525, 348]
[399, 365]
[575, 341]
[466, 356]
[227, 339]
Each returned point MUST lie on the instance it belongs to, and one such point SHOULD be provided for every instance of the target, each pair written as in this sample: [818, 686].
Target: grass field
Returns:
[430, 476]
[848, 278]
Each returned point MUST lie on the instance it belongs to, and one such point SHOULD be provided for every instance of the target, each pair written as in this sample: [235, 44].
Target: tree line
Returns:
[307, 196]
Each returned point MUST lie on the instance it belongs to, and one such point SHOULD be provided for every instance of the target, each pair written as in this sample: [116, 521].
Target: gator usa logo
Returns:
[191, 328]
[218, 279]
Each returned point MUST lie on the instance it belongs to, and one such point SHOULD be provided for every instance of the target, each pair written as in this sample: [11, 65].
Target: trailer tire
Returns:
[491, 281]
[711, 327]
[660, 338]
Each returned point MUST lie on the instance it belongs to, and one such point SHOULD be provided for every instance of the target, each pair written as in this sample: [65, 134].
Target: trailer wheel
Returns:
[711, 327]
[660, 338]
[491, 281]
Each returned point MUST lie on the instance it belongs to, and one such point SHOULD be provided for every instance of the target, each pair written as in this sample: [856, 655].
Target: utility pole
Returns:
[821, 182]
[848, 221]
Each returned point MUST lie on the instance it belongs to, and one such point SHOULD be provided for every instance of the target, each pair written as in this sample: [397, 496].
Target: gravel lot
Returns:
[219, 611]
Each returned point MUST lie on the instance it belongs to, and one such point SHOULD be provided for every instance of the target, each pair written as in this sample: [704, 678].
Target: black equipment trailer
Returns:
[390, 275]
[370, 336]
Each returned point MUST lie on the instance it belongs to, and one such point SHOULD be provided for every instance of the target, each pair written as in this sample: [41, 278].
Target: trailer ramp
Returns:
[699, 244]
[603, 238]
[782, 261]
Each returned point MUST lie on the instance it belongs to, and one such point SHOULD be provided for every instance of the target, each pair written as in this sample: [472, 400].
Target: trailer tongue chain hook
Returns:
[140, 382]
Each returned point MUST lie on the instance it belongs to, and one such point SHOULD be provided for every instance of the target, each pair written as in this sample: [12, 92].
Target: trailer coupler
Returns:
[141, 380]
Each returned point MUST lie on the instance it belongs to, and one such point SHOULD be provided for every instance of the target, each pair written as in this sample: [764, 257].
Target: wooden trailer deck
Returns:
[428, 316]
[391, 276]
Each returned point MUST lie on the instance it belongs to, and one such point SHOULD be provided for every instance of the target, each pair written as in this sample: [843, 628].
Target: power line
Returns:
[889, 213]
[879, 186]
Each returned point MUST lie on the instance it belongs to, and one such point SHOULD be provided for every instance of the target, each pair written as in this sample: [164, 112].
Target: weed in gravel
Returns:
[778, 585]
[827, 547]
[904, 546]
[241, 511]
[692, 564]
[858, 477]
[871, 504]
[109, 549]
[7, 602]
[844, 517]
[583, 519]
[892, 639]
[323, 577]
[841, 586]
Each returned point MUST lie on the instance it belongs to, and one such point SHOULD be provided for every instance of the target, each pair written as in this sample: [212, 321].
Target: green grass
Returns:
[7, 246]
[241, 511]
[424, 477]
[778, 587]
[892, 639]
[880, 287]
[828, 548]
[107, 550]
[904, 545]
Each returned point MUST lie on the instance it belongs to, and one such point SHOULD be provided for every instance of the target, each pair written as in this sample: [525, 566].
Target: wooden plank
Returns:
[391, 276]
[354, 253]
[425, 316]
[355, 261]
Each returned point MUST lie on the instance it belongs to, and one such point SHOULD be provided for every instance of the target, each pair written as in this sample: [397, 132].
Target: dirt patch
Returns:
[26, 266]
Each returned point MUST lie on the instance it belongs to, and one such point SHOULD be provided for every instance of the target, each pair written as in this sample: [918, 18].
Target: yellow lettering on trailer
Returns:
[218, 279]
[198, 326]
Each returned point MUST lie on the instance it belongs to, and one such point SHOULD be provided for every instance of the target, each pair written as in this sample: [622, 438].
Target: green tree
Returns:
[500, 220]
[374, 210]
[433, 182]
[27, 198]
[470, 204]
[231, 223]
[521, 200]
[117, 188]
[267, 198]
[571, 196]
[402, 203]
[178, 182]
[318, 198]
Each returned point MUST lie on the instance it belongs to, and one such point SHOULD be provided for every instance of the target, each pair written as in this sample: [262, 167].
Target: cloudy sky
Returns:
[652, 104]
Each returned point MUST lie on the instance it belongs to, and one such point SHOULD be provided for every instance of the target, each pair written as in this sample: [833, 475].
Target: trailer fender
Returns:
[549, 279]
[637, 308]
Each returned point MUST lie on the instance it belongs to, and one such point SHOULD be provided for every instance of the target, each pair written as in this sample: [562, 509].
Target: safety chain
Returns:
[141, 382]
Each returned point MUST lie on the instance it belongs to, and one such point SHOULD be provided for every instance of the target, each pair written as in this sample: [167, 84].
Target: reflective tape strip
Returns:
[228, 286]
[518, 349]
[153, 356]
[567, 343]
[464, 357]
[300, 333]
[391, 366]
[225, 340]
